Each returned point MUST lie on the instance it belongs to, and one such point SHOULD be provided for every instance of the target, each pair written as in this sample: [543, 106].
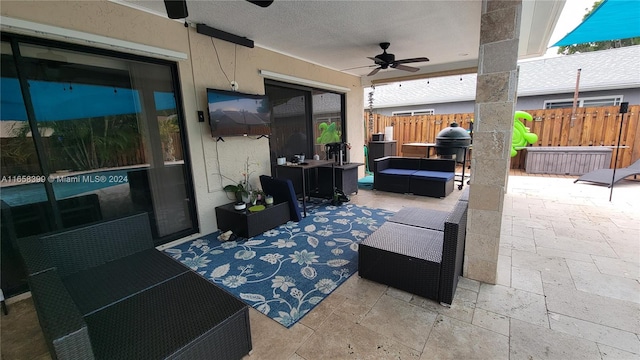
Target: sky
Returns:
[570, 17]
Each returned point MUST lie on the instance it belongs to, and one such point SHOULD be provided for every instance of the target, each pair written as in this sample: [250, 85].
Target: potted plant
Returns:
[257, 196]
[243, 190]
[240, 191]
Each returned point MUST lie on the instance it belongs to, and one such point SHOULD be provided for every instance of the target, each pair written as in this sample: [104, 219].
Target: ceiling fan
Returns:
[386, 60]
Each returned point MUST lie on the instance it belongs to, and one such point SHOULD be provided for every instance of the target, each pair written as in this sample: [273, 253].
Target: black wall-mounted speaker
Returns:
[176, 9]
[624, 107]
[261, 3]
[223, 35]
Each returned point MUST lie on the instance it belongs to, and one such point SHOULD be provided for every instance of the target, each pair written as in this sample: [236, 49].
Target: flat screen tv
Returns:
[237, 114]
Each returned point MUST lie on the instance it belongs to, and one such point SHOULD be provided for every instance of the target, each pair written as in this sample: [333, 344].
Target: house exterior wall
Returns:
[537, 102]
[198, 72]
[631, 95]
[441, 108]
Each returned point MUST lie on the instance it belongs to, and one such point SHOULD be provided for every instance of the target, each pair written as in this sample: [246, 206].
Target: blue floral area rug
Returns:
[287, 271]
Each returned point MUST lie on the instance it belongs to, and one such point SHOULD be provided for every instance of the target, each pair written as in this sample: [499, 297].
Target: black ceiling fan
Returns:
[177, 9]
[386, 60]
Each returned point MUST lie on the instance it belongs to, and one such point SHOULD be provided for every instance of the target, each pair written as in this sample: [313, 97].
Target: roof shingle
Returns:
[601, 70]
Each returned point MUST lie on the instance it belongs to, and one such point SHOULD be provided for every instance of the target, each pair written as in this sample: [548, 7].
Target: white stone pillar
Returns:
[492, 131]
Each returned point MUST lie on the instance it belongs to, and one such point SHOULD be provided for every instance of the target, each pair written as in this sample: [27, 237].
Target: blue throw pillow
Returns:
[282, 191]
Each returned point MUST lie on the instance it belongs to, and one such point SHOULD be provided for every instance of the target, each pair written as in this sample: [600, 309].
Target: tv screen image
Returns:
[237, 114]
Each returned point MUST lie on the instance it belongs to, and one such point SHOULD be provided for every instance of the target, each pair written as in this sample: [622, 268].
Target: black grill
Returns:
[453, 140]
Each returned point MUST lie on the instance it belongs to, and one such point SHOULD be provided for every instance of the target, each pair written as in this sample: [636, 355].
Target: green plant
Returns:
[257, 196]
[89, 143]
[17, 146]
[242, 188]
[239, 190]
[168, 127]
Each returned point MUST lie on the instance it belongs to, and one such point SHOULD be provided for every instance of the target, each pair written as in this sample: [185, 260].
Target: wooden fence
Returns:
[591, 126]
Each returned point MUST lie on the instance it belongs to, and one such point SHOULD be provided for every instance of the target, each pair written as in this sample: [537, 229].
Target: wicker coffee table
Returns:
[248, 224]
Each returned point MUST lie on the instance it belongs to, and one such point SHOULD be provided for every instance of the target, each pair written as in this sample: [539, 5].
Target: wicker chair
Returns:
[104, 292]
[419, 251]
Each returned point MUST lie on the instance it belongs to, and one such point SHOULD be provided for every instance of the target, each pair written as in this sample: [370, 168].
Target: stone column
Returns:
[492, 131]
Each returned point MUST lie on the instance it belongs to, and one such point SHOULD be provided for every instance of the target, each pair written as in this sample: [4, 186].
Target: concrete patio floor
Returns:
[568, 288]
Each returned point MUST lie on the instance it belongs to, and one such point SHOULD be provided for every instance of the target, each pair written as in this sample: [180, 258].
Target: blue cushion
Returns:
[401, 172]
[434, 175]
[282, 191]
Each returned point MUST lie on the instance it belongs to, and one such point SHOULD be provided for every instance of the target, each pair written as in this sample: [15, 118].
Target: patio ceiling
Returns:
[341, 34]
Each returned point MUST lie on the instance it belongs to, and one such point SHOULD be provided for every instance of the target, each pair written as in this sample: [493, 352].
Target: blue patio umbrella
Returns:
[612, 20]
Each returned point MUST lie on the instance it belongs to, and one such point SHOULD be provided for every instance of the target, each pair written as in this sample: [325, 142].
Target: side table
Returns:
[246, 224]
[346, 179]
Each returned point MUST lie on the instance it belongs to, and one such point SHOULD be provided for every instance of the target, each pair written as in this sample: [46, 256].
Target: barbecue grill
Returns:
[453, 140]
[452, 143]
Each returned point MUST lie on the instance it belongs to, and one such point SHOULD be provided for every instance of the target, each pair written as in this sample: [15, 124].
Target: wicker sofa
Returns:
[419, 176]
[419, 251]
[104, 292]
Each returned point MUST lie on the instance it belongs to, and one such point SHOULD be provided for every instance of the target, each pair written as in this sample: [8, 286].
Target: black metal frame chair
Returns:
[604, 176]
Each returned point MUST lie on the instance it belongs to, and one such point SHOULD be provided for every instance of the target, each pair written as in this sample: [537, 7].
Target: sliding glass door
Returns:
[327, 113]
[303, 121]
[289, 124]
[89, 135]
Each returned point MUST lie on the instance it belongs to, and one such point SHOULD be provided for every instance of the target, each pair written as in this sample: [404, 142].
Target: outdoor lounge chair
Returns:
[603, 176]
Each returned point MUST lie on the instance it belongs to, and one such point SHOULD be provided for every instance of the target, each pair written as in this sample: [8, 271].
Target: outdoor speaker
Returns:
[261, 3]
[624, 107]
[176, 9]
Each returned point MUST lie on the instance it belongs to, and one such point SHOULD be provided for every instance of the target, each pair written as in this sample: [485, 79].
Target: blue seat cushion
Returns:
[434, 175]
[400, 172]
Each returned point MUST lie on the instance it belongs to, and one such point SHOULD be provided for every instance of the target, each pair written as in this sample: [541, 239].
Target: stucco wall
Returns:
[210, 161]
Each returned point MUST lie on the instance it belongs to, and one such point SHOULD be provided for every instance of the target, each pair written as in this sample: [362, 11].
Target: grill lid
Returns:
[453, 132]
[452, 140]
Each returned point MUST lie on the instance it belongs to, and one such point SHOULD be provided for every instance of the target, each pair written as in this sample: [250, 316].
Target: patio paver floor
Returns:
[569, 272]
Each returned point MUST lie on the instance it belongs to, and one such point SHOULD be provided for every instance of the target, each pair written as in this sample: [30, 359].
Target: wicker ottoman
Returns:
[404, 257]
[431, 183]
[424, 218]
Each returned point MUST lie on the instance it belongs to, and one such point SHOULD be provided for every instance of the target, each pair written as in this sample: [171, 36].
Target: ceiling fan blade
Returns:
[406, 68]
[375, 71]
[412, 60]
[260, 3]
[376, 60]
[359, 67]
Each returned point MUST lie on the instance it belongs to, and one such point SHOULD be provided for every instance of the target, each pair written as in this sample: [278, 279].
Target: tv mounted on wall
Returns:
[237, 114]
